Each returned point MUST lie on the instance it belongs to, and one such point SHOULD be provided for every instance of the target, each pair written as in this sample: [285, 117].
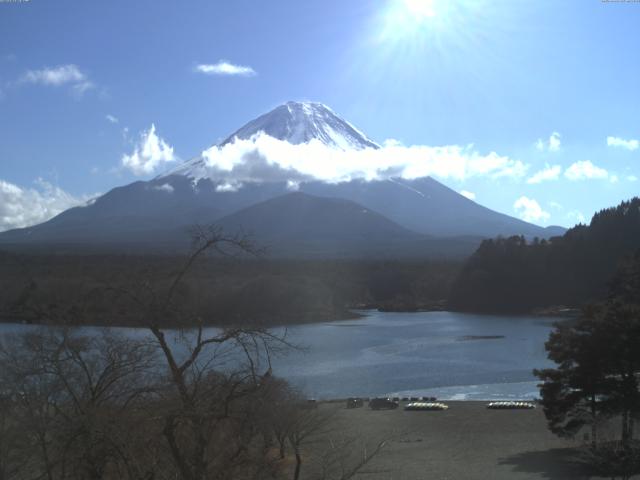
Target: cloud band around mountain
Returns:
[263, 158]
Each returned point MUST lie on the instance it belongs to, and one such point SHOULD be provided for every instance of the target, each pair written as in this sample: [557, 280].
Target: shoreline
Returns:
[351, 313]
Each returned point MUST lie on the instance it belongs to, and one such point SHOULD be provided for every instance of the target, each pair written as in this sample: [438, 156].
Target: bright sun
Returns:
[407, 18]
[415, 26]
[421, 8]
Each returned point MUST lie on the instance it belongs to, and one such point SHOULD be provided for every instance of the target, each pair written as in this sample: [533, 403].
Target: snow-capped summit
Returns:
[293, 122]
[301, 122]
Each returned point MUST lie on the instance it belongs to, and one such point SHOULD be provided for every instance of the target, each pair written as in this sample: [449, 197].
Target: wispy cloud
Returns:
[149, 154]
[62, 75]
[622, 143]
[552, 144]
[111, 118]
[263, 158]
[530, 210]
[223, 67]
[165, 187]
[21, 207]
[632, 178]
[576, 216]
[548, 173]
[468, 194]
[585, 170]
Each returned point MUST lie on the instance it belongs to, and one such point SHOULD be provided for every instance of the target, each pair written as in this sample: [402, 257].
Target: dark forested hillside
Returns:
[101, 289]
[513, 275]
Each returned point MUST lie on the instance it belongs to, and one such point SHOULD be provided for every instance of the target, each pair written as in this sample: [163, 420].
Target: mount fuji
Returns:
[301, 122]
[292, 122]
[392, 217]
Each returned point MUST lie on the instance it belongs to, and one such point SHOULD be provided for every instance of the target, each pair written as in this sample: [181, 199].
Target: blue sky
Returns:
[550, 86]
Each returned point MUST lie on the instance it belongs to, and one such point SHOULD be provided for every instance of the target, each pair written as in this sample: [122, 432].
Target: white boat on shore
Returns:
[510, 405]
[426, 406]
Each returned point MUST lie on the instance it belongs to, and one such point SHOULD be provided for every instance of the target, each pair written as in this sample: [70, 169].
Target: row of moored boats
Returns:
[429, 404]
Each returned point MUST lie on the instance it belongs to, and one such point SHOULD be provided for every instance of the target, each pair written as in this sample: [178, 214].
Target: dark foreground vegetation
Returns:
[596, 383]
[188, 405]
[78, 289]
[514, 275]
[110, 407]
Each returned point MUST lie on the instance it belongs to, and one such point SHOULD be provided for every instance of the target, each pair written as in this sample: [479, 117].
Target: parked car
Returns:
[382, 404]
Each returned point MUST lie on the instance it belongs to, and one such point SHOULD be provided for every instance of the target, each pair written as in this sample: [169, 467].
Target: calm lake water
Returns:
[443, 354]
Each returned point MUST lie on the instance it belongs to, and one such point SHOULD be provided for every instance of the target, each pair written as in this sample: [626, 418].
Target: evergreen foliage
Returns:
[516, 275]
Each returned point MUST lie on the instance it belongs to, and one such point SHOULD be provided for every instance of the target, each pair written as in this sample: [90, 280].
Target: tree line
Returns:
[516, 275]
[256, 290]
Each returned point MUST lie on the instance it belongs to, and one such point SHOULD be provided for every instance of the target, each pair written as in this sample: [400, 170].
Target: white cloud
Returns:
[264, 158]
[548, 173]
[59, 76]
[165, 187]
[469, 195]
[632, 178]
[555, 205]
[554, 142]
[293, 186]
[149, 154]
[111, 118]
[21, 207]
[530, 210]
[79, 89]
[585, 170]
[225, 68]
[576, 216]
[55, 76]
[552, 145]
[622, 143]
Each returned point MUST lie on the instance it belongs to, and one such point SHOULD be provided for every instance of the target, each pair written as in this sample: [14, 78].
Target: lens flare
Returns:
[421, 8]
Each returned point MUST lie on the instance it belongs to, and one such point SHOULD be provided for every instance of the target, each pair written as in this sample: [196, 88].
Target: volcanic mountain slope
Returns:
[151, 212]
[427, 206]
[302, 225]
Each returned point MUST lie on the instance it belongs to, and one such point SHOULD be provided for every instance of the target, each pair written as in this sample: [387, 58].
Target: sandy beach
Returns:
[467, 441]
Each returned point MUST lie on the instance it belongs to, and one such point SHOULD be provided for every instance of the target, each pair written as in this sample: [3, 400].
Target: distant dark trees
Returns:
[515, 275]
[70, 290]
[597, 378]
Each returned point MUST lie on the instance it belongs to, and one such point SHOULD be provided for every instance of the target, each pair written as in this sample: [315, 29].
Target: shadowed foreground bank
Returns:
[465, 442]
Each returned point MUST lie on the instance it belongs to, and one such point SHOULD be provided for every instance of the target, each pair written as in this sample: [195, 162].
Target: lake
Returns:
[452, 356]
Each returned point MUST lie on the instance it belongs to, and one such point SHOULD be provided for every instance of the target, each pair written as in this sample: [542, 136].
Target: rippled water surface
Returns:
[444, 354]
